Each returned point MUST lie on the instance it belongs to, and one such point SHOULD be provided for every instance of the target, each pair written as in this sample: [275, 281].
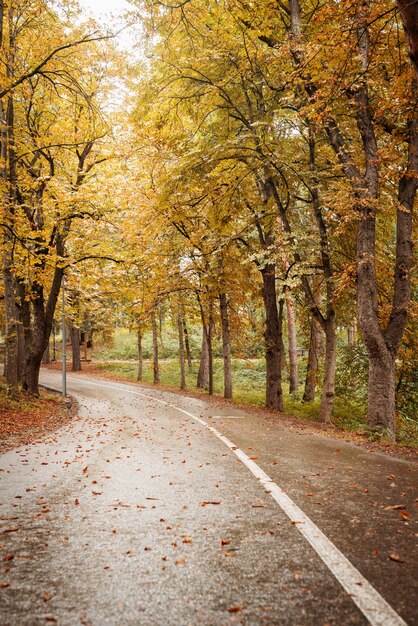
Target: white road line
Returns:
[373, 606]
[227, 417]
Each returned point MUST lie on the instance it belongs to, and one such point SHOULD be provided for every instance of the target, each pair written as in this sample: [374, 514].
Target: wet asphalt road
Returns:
[137, 514]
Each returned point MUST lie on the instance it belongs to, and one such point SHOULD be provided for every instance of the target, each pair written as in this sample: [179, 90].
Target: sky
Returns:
[105, 12]
[100, 8]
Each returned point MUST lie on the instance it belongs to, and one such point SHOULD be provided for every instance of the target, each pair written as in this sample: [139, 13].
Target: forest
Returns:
[232, 201]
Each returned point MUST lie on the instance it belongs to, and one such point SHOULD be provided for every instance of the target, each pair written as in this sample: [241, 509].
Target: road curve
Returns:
[149, 509]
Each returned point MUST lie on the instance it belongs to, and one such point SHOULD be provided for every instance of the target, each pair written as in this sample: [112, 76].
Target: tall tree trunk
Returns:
[7, 175]
[46, 359]
[186, 340]
[409, 13]
[209, 330]
[43, 315]
[20, 349]
[75, 348]
[203, 373]
[292, 340]
[272, 335]
[140, 355]
[181, 347]
[226, 345]
[313, 360]
[11, 337]
[155, 361]
[352, 334]
[381, 391]
[328, 386]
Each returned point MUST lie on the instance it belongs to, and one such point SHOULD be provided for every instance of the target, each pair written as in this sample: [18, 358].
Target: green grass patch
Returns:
[248, 377]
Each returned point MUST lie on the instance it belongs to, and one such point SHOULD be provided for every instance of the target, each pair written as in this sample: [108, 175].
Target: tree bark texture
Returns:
[292, 342]
[186, 341]
[409, 14]
[328, 385]
[181, 347]
[381, 389]
[226, 345]
[140, 355]
[75, 348]
[352, 334]
[46, 359]
[43, 314]
[7, 173]
[272, 335]
[155, 360]
[313, 360]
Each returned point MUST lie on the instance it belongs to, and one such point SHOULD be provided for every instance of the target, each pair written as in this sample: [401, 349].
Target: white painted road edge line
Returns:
[373, 606]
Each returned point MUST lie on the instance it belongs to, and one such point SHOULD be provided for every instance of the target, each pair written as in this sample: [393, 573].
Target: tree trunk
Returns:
[209, 330]
[409, 13]
[140, 355]
[186, 341]
[20, 350]
[46, 359]
[313, 361]
[155, 361]
[226, 345]
[203, 373]
[381, 411]
[75, 348]
[328, 388]
[292, 340]
[181, 347]
[11, 336]
[11, 317]
[272, 336]
[352, 334]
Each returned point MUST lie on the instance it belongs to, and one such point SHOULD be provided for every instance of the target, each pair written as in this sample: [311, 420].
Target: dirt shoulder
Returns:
[28, 419]
[359, 439]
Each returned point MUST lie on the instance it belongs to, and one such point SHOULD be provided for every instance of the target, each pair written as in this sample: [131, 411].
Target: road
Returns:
[152, 508]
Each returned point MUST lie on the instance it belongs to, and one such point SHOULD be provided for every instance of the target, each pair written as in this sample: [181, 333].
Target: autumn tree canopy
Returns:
[260, 158]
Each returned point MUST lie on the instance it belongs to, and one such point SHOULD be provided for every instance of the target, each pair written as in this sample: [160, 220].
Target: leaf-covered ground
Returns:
[27, 419]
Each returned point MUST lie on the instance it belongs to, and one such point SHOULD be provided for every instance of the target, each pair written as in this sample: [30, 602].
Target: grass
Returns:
[248, 377]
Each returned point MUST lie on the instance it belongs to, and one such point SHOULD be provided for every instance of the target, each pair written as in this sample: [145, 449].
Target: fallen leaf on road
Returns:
[187, 540]
[393, 507]
[46, 597]
[51, 618]
[206, 503]
[395, 557]
[181, 562]
[405, 515]
[9, 557]
[225, 542]
[236, 609]
[229, 554]
[4, 585]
